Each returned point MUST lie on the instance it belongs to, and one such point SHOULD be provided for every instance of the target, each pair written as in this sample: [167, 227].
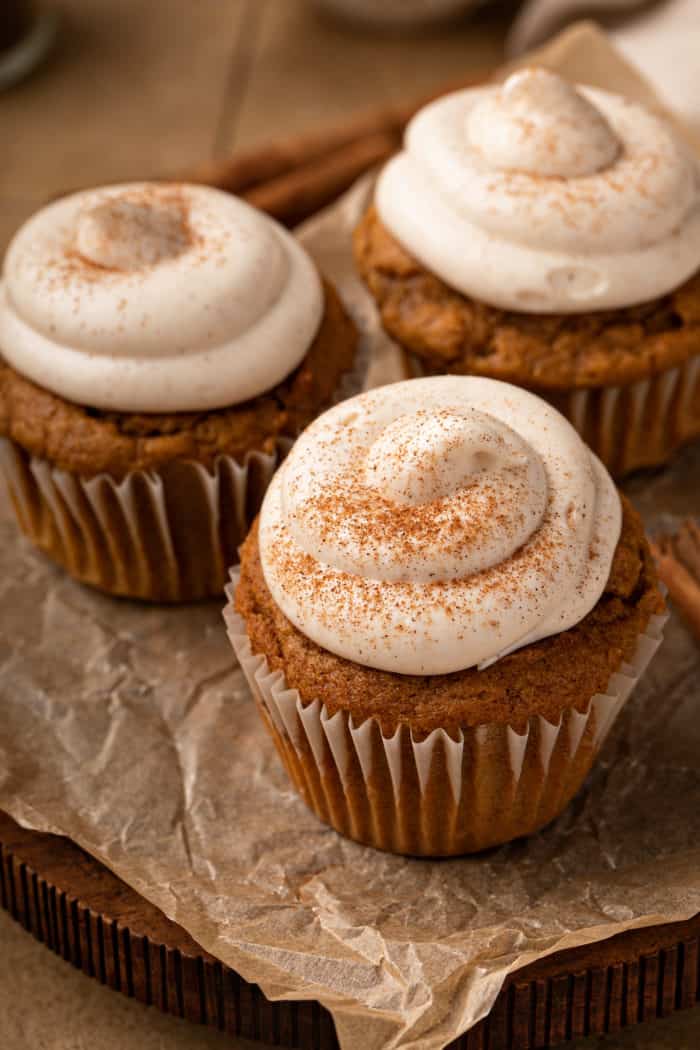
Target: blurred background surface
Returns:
[133, 89]
[136, 89]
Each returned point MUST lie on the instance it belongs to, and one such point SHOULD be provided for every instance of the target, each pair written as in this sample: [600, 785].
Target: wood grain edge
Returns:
[84, 913]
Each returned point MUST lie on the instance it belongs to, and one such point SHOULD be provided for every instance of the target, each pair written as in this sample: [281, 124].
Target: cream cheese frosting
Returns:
[540, 196]
[153, 297]
[438, 524]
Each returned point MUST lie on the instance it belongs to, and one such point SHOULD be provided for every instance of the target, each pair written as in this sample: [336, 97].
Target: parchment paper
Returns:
[130, 729]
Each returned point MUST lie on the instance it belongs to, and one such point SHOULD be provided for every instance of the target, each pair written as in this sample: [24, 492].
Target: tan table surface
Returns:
[138, 89]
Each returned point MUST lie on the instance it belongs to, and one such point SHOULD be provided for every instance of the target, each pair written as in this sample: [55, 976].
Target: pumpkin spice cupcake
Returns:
[441, 610]
[161, 346]
[549, 235]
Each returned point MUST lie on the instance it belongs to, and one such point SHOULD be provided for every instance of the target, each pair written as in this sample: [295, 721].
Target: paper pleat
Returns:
[167, 534]
[442, 795]
[639, 425]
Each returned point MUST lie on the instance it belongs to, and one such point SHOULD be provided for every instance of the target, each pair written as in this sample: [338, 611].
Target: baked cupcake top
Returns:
[438, 524]
[544, 197]
[153, 297]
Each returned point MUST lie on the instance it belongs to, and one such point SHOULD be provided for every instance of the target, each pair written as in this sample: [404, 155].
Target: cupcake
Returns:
[161, 346]
[440, 611]
[548, 235]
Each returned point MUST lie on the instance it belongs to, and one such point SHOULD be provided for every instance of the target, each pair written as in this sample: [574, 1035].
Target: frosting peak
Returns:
[155, 297]
[427, 456]
[438, 524]
[545, 197]
[537, 122]
[133, 231]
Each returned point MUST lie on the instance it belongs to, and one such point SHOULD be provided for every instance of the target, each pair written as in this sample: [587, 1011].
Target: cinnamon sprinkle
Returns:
[678, 560]
[357, 521]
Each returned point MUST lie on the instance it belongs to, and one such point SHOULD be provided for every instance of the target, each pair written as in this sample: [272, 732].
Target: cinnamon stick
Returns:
[677, 558]
[294, 177]
[240, 172]
[688, 545]
[302, 191]
[265, 163]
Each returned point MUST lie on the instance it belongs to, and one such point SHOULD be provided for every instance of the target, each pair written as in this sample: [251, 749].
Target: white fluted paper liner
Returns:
[130, 537]
[639, 425]
[168, 533]
[555, 749]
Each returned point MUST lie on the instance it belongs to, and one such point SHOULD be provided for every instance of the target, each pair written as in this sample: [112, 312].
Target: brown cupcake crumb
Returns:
[450, 332]
[87, 441]
[562, 671]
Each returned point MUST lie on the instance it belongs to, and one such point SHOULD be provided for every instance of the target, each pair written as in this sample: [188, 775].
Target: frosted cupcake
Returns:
[549, 235]
[161, 346]
[441, 611]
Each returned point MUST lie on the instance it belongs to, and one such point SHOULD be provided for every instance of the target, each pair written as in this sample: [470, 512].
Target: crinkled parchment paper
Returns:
[130, 729]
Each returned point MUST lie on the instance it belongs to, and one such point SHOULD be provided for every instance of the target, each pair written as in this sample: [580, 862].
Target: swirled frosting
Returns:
[438, 524]
[156, 298]
[539, 196]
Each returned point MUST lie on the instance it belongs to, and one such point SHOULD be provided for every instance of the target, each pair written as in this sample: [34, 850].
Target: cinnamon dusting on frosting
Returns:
[137, 230]
[157, 297]
[430, 534]
[560, 672]
[541, 196]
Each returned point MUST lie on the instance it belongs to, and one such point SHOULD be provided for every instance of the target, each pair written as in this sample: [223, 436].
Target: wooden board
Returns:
[84, 913]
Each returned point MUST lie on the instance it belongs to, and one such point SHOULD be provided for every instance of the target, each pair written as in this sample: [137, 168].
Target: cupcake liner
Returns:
[442, 795]
[639, 425]
[629, 427]
[167, 534]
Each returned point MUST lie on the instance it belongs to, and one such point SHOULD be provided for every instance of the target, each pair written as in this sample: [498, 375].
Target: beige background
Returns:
[142, 88]
[139, 88]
